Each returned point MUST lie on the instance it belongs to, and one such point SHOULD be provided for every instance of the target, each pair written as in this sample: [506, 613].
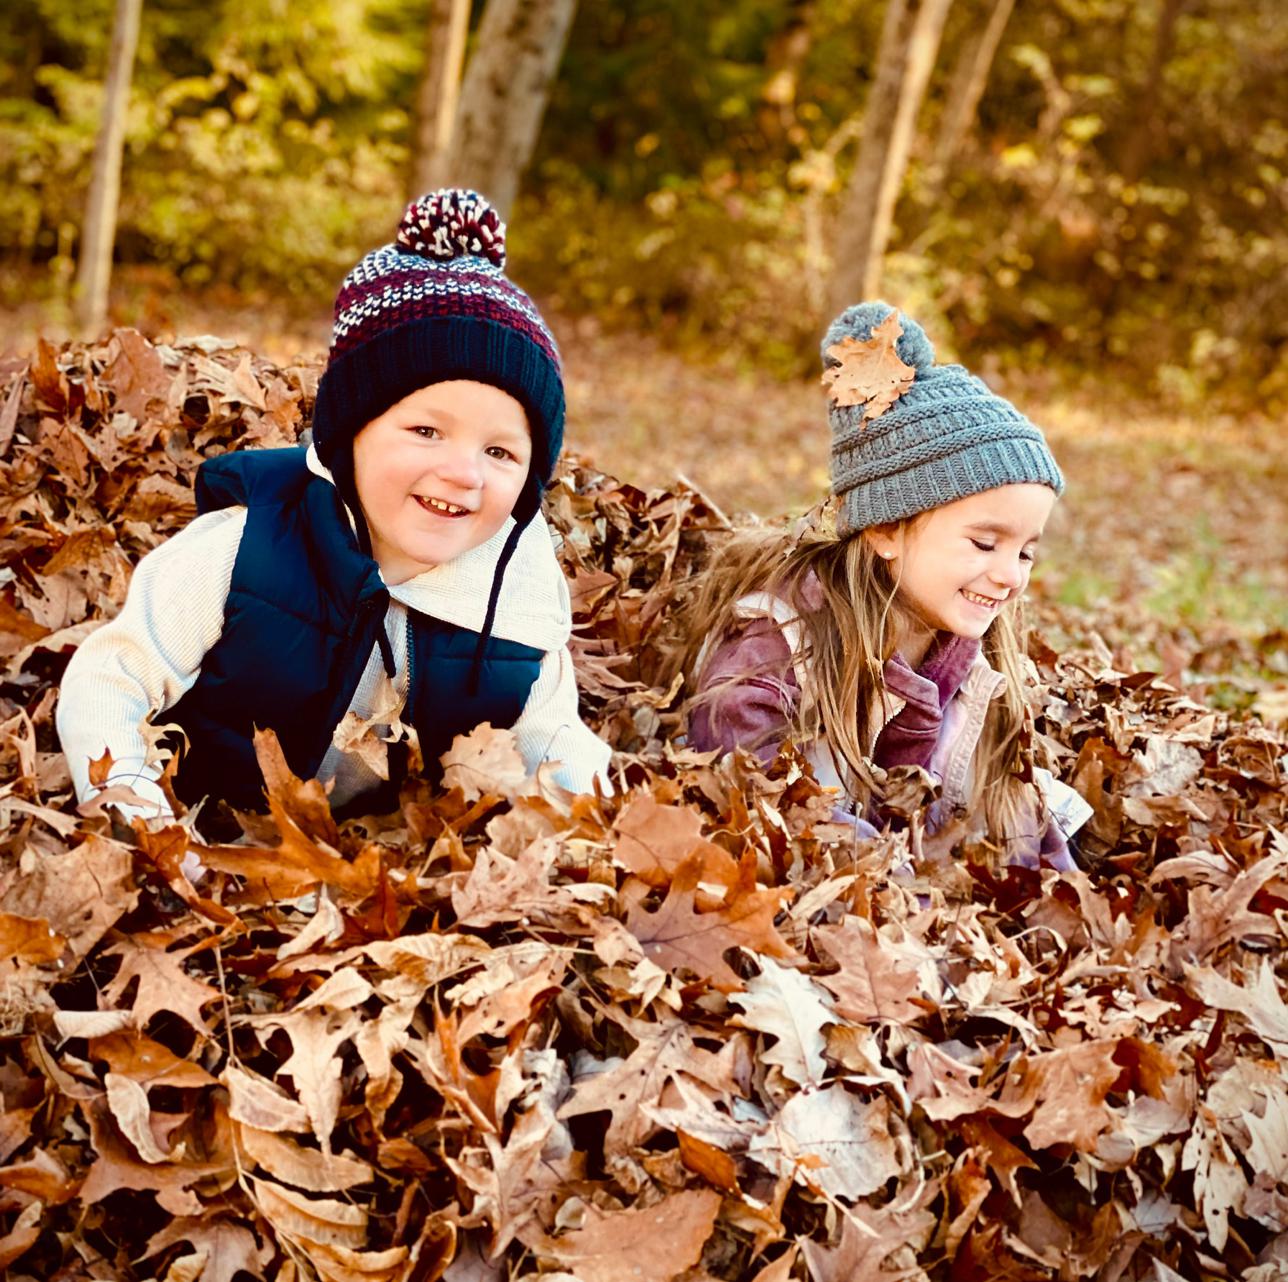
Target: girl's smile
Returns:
[987, 602]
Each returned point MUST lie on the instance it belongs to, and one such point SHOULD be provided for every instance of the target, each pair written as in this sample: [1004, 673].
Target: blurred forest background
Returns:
[1084, 200]
[1103, 190]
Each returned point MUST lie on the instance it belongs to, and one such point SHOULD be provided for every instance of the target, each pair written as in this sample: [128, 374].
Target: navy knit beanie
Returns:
[937, 435]
[432, 306]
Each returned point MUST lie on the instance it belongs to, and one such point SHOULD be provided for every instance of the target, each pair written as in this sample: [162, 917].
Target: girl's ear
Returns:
[885, 540]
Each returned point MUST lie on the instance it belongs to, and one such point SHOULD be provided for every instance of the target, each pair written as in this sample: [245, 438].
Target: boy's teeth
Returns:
[439, 506]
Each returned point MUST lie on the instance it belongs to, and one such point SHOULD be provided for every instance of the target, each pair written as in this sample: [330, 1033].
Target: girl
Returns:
[896, 642]
[332, 591]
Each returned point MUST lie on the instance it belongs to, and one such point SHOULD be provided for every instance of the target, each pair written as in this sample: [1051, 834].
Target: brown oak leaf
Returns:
[873, 983]
[164, 985]
[653, 1245]
[663, 1051]
[512, 1182]
[314, 1066]
[869, 1236]
[829, 1139]
[655, 840]
[116, 1167]
[30, 939]
[677, 937]
[80, 893]
[225, 1248]
[869, 372]
[485, 761]
[791, 1008]
[1072, 1084]
[137, 375]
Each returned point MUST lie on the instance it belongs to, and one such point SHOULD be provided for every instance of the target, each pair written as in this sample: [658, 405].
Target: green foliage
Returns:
[1170, 272]
[261, 143]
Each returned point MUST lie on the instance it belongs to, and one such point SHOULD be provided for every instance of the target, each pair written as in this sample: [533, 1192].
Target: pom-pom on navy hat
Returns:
[938, 434]
[435, 305]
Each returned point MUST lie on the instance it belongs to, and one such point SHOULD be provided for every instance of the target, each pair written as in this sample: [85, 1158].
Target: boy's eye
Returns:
[425, 431]
[499, 451]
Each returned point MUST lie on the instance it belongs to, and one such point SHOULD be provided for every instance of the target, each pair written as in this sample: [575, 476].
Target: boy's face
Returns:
[962, 562]
[438, 473]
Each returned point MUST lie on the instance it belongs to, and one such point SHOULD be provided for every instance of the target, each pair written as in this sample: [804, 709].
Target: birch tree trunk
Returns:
[503, 99]
[966, 88]
[438, 94]
[98, 235]
[909, 43]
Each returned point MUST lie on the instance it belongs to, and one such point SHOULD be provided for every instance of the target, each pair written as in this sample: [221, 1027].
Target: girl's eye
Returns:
[1028, 555]
[983, 547]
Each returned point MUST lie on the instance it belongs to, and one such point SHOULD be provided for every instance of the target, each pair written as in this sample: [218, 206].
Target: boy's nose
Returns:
[461, 469]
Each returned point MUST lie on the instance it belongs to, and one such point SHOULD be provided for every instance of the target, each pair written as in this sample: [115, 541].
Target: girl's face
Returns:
[959, 564]
[438, 473]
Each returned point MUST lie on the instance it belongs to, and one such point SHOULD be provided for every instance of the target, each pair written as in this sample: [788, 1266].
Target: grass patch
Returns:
[1198, 586]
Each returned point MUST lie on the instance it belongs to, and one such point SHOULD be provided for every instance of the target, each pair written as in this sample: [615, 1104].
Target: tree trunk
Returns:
[507, 84]
[94, 271]
[437, 94]
[1136, 151]
[966, 88]
[909, 42]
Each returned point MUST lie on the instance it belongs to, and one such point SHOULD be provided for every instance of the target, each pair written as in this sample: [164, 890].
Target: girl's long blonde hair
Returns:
[849, 626]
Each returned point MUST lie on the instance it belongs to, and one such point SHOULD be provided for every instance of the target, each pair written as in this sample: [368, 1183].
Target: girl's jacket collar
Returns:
[963, 722]
[534, 607]
[981, 682]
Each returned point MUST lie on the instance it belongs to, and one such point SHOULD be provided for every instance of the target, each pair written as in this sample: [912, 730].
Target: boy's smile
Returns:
[441, 507]
[439, 472]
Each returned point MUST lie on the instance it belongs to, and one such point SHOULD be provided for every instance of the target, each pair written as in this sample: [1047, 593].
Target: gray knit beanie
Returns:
[909, 435]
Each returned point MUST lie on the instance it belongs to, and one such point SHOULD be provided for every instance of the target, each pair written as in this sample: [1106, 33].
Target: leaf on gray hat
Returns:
[868, 371]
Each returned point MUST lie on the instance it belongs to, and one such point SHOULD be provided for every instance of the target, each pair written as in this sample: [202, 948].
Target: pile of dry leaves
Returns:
[684, 1032]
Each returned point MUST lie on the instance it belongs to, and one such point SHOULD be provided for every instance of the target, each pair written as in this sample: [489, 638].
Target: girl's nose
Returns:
[1008, 573]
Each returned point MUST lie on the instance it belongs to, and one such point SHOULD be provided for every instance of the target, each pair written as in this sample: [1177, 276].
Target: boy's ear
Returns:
[885, 540]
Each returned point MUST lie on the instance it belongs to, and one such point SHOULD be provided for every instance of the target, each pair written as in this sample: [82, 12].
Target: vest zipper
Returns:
[407, 691]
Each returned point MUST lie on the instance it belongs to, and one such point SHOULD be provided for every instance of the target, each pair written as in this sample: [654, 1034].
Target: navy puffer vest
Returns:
[303, 615]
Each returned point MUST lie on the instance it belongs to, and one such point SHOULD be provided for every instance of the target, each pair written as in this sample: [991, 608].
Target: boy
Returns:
[397, 568]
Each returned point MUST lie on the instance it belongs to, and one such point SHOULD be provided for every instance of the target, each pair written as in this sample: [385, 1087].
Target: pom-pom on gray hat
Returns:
[909, 435]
